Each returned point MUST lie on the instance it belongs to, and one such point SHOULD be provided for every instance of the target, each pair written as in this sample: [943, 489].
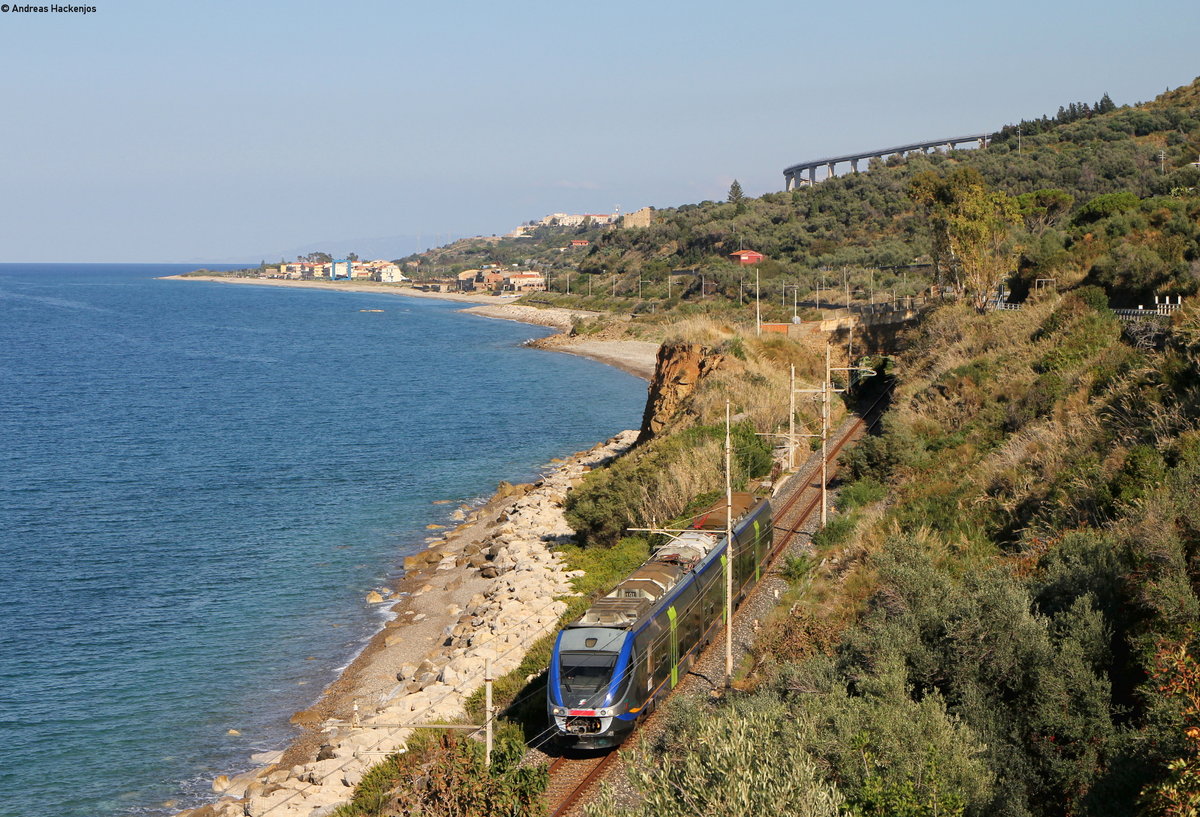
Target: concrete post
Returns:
[854, 165]
[829, 171]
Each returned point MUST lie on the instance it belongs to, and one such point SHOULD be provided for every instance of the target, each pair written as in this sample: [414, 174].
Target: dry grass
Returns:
[679, 481]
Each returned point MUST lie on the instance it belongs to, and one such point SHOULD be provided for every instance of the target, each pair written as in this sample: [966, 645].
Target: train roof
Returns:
[670, 562]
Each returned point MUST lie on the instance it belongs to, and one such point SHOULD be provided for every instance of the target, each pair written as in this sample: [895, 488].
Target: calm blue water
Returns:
[199, 483]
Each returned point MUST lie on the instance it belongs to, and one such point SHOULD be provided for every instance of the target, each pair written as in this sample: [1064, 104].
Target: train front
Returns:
[586, 688]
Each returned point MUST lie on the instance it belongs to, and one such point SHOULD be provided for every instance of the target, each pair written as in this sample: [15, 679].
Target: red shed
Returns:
[747, 256]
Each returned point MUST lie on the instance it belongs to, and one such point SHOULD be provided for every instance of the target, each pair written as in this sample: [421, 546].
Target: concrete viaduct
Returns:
[795, 176]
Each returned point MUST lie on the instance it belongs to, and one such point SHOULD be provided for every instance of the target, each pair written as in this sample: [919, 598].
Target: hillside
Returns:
[1003, 615]
[1106, 195]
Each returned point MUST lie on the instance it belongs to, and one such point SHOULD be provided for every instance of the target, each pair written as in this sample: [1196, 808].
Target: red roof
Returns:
[747, 256]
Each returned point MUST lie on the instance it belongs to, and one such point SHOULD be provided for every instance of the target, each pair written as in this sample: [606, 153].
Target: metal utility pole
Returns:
[614, 286]
[825, 391]
[757, 306]
[728, 557]
[568, 283]
[589, 286]
[668, 286]
[1162, 162]
[488, 710]
[792, 421]
[825, 440]
[846, 284]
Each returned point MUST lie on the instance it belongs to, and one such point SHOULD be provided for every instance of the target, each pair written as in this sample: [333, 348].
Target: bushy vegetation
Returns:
[1014, 630]
[444, 775]
[1017, 634]
[748, 763]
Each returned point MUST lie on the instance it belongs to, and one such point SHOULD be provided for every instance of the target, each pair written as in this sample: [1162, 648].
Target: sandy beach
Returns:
[343, 286]
[482, 592]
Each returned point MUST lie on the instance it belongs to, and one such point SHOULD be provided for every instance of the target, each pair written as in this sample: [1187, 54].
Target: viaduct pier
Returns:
[805, 173]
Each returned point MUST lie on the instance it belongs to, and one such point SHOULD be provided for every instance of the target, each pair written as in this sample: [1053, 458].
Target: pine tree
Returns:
[737, 197]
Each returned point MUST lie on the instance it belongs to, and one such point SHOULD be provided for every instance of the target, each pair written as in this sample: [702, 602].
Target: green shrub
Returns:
[743, 761]
[1095, 297]
[1142, 472]
[796, 567]
[859, 493]
[836, 531]
[445, 774]
[628, 492]
[1105, 205]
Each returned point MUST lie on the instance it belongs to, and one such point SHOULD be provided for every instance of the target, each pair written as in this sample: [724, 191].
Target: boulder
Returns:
[304, 717]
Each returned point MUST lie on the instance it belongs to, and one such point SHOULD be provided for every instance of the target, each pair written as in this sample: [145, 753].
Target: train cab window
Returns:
[586, 673]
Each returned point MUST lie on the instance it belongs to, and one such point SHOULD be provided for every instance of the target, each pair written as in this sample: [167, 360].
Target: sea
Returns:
[200, 483]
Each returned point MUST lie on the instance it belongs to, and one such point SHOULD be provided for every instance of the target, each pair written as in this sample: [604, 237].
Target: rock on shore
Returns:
[518, 600]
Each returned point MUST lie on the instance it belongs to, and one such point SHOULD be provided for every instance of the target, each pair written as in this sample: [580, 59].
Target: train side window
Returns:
[661, 661]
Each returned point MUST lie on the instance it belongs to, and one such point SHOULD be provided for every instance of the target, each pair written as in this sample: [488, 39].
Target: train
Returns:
[632, 647]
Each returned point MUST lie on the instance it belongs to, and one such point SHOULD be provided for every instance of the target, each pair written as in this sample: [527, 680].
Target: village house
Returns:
[467, 280]
[389, 273]
[747, 257]
[524, 282]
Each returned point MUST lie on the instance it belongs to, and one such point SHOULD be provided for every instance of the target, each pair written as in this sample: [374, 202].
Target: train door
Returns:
[673, 617]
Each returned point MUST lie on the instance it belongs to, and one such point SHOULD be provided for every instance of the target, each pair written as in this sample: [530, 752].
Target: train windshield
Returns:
[586, 673]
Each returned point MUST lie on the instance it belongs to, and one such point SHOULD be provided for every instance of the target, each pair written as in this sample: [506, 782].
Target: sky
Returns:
[154, 131]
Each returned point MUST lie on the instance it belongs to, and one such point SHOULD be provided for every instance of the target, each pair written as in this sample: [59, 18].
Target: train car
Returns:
[634, 645]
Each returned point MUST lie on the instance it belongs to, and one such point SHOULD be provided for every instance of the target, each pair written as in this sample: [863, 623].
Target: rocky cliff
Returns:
[678, 369]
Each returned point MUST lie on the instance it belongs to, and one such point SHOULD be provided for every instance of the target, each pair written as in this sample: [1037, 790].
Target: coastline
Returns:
[631, 356]
[480, 595]
[485, 590]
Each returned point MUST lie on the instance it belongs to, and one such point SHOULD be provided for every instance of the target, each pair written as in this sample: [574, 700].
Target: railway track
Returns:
[805, 496]
[573, 777]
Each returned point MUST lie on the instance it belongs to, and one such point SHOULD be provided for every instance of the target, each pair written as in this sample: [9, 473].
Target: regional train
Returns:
[633, 646]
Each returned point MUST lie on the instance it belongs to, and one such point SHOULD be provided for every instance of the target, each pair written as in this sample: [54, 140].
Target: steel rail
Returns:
[591, 768]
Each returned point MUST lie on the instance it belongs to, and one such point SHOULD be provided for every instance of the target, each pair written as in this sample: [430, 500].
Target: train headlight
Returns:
[603, 713]
[558, 710]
